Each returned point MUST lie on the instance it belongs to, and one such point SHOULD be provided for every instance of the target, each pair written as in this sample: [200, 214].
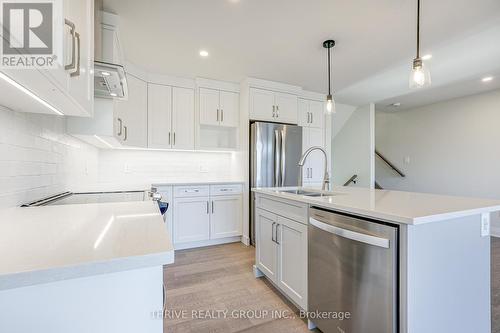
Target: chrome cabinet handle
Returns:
[77, 71]
[207, 207]
[276, 237]
[222, 115]
[308, 118]
[312, 119]
[277, 111]
[174, 138]
[126, 133]
[121, 127]
[272, 232]
[169, 138]
[71, 66]
[217, 114]
[274, 111]
[212, 206]
[349, 234]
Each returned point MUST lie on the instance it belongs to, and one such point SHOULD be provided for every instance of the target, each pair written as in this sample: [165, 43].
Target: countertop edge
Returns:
[81, 270]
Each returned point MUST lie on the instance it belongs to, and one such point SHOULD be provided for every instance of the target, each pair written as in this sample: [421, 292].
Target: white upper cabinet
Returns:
[182, 118]
[159, 116]
[81, 79]
[313, 170]
[68, 88]
[267, 105]
[209, 107]
[218, 107]
[131, 119]
[230, 109]
[170, 117]
[311, 113]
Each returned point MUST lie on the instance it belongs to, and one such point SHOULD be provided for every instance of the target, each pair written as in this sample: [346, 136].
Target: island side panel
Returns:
[447, 277]
[125, 302]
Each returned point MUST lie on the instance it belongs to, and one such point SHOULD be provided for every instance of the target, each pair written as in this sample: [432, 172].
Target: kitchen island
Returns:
[83, 268]
[441, 255]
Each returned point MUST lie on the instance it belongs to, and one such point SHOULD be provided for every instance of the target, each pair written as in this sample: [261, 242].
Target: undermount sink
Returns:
[309, 193]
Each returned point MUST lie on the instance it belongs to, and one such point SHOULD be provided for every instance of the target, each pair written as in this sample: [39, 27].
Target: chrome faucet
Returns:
[326, 177]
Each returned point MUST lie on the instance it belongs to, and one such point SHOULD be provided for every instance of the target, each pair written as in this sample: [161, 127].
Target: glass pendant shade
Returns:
[330, 105]
[420, 76]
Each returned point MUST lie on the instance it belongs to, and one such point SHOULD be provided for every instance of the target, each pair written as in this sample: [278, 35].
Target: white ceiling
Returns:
[281, 40]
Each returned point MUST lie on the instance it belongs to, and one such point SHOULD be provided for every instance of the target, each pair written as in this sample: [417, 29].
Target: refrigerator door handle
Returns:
[277, 159]
[283, 157]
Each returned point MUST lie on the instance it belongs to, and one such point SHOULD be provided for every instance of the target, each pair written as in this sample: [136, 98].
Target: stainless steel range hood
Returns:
[109, 80]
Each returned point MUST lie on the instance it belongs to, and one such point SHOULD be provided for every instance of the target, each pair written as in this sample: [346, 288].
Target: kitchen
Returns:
[166, 175]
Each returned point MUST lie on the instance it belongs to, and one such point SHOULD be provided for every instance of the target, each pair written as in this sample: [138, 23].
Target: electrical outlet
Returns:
[485, 224]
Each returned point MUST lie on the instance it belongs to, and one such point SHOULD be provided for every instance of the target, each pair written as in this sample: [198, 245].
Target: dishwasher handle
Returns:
[353, 235]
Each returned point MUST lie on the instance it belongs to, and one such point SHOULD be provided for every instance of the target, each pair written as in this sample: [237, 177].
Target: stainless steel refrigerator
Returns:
[275, 151]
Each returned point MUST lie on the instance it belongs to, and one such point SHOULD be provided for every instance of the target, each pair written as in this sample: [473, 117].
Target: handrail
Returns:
[353, 179]
[392, 166]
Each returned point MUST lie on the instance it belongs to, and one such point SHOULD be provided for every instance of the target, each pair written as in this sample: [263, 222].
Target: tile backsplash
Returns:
[38, 158]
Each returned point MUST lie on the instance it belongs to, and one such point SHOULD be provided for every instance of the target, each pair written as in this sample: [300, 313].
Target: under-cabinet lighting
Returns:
[487, 79]
[30, 93]
[103, 141]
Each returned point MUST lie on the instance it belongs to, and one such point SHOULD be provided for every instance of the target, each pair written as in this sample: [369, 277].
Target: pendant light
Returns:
[330, 103]
[420, 75]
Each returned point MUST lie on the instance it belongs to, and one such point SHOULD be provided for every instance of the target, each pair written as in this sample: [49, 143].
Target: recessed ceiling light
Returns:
[395, 105]
[427, 57]
[105, 74]
[204, 53]
[487, 79]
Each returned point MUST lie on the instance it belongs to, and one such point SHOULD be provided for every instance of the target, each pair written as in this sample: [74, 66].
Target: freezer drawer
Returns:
[353, 272]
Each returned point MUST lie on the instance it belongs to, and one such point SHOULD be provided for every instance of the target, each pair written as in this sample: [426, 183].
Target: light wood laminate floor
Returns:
[220, 278]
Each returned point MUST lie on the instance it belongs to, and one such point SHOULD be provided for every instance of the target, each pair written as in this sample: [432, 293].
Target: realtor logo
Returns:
[28, 34]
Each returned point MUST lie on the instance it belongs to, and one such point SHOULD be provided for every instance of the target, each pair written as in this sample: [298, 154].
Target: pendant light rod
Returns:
[328, 44]
[418, 28]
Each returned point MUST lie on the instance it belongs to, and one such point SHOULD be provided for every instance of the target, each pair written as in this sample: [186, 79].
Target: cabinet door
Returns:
[81, 83]
[209, 107]
[316, 111]
[262, 105]
[305, 146]
[159, 116]
[316, 160]
[266, 247]
[182, 118]
[133, 114]
[303, 112]
[225, 220]
[286, 108]
[191, 219]
[292, 260]
[230, 109]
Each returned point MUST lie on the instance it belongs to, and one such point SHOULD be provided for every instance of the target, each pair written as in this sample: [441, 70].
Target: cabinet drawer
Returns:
[294, 210]
[191, 191]
[227, 189]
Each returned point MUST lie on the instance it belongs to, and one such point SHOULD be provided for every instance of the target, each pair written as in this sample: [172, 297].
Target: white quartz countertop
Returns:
[51, 243]
[395, 206]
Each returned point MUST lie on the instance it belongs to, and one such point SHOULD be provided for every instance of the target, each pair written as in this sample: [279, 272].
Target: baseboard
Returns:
[245, 240]
[192, 245]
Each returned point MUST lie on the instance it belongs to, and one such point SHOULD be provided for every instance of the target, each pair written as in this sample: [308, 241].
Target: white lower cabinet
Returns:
[281, 254]
[191, 219]
[225, 218]
[292, 259]
[206, 214]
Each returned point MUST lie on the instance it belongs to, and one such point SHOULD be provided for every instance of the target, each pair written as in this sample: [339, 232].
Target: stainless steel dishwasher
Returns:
[353, 268]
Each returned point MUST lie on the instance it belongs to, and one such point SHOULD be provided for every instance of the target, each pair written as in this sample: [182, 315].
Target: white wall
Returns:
[453, 147]
[353, 145]
[38, 158]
